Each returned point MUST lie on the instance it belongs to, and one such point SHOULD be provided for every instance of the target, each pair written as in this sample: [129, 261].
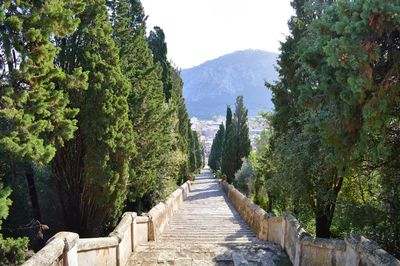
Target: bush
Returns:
[245, 178]
[12, 251]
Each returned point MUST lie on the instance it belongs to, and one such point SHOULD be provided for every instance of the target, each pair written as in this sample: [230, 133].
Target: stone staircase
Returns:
[207, 230]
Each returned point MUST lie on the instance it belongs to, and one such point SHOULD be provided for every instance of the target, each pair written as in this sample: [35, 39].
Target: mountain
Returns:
[211, 86]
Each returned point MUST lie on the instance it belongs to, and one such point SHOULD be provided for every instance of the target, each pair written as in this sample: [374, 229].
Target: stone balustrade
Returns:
[301, 247]
[66, 248]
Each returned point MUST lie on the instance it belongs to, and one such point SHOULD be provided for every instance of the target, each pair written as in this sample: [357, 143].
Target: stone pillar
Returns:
[70, 254]
[61, 248]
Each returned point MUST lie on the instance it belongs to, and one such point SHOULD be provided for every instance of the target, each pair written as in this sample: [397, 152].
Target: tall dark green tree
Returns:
[198, 151]
[183, 125]
[192, 150]
[159, 48]
[311, 180]
[34, 114]
[228, 159]
[148, 111]
[332, 118]
[359, 89]
[35, 118]
[236, 145]
[92, 170]
[214, 161]
[242, 142]
[172, 87]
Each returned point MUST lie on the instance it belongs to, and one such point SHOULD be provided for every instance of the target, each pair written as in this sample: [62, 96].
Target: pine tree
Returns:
[92, 169]
[214, 160]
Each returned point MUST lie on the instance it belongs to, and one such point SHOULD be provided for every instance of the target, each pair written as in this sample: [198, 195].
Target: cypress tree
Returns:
[172, 87]
[214, 160]
[177, 134]
[198, 151]
[242, 143]
[236, 140]
[192, 157]
[35, 118]
[147, 109]
[91, 170]
[228, 159]
[159, 48]
[183, 125]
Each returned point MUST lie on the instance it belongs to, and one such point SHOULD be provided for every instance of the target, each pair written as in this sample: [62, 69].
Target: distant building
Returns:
[208, 128]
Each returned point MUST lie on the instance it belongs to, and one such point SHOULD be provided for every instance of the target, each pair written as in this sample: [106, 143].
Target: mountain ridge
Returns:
[214, 84]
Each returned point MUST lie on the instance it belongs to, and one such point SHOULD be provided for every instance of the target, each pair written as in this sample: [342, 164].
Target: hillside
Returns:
[209, 87]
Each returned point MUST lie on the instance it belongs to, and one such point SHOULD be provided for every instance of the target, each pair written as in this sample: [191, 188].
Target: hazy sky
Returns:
[200, 30]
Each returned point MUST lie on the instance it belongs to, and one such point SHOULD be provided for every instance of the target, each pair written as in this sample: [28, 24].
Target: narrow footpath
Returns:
[207, 230]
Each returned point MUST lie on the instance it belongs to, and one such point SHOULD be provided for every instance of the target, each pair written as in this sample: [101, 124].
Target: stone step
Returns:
[177, 230]
[201, 238]
[212, 227]
[207, 230]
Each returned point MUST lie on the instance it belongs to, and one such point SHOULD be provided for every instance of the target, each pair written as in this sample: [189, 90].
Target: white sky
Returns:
[200, 30]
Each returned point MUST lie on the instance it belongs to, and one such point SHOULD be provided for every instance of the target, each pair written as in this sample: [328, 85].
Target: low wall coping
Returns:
[86, 244]
[367, 250]
[275, 219]
[269, 215]
[328, 243]
[57, 248]
[371, 250]
[54, 248]
[122, 226]
[142, 219]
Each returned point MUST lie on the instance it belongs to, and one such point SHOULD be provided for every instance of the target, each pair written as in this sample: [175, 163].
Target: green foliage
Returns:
[199, 154]
[12, 251]
[159, 48]
[91, 111]
[34, 115]
[185, 141]
[5, 202]
[242, 142]
[147, 111]
[236, 145]
[92, 169]
[214, 161]
[228, 148]
[245, 178]
[335, 128]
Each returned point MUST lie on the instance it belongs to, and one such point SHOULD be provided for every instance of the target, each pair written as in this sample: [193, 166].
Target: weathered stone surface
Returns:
[207, 230]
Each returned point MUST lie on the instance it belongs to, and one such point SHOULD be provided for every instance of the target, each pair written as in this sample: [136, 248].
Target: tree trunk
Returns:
[322, 226]
[270, 202]
[325, 208]
[67, 167]
[30, 174]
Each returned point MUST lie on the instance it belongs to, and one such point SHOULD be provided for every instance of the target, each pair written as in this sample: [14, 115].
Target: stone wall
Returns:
[162, 212]
[66, 248]
[301, 247]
